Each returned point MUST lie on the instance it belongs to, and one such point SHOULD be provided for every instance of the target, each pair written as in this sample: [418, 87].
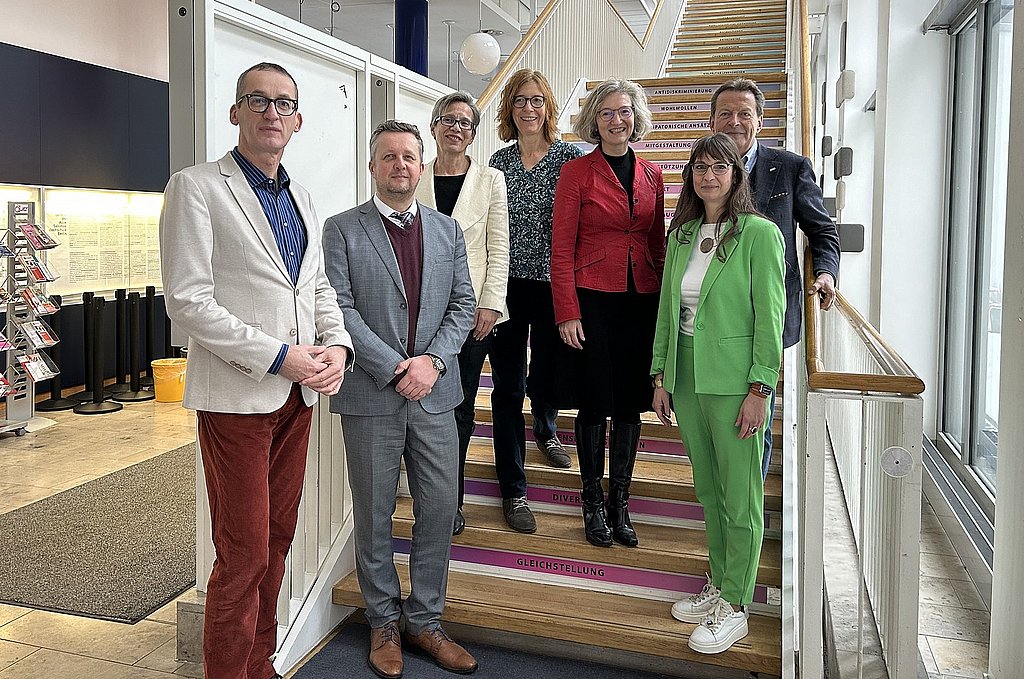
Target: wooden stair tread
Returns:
[651, 478]
[586, 617]
[671, 549]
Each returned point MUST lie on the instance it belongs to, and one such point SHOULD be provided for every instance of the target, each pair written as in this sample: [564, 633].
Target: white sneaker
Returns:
[696, 607]
[722, 628]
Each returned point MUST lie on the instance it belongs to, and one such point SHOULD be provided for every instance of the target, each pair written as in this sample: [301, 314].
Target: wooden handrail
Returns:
[509, 67]
[897, 376]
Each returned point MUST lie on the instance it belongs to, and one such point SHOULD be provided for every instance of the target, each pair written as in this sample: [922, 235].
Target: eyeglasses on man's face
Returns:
[257, 103]
[536, 101]
[608, 114]
[451, 121]
[717, 168]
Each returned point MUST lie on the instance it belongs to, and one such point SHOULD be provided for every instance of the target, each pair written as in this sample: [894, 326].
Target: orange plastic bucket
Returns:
[169, 379]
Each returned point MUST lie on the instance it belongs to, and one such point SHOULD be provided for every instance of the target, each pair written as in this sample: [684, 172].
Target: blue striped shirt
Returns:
[289, 230]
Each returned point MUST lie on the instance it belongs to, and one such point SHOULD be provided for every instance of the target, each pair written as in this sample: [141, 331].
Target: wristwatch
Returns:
[438, 364]
[761, 389]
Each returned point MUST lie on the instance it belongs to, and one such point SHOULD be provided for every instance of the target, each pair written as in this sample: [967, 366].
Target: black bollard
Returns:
[147, 381]
[135, 391]
[120, 343]
[97, 406]
[87, 331]
[56, 401]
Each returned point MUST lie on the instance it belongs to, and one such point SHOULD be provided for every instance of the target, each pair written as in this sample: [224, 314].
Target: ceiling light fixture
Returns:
[480, 52]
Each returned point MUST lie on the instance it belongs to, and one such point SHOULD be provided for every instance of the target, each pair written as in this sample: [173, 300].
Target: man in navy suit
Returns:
[786, 193]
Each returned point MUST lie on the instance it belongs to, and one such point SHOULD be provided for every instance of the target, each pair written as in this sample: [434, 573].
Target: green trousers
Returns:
[726, 477]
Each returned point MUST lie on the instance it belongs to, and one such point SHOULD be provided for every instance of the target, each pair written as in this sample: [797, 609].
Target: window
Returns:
[977, 225]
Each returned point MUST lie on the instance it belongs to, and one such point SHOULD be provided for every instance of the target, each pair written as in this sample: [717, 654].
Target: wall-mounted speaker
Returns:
[843, 162]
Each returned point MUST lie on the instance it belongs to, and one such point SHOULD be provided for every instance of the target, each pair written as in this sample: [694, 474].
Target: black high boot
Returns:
[622, 457]
[590, 453]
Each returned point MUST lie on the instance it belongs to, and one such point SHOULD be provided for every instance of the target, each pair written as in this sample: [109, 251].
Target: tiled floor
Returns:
[42, 645]
[953, 619]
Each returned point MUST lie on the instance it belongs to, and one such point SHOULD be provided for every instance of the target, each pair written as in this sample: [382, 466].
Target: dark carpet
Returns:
[345, 656]
[117, 548]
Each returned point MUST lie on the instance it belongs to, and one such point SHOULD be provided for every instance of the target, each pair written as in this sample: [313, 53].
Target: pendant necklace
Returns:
[706, 245]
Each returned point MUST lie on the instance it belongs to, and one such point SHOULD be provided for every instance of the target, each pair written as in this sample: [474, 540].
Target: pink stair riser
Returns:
[665, 90]
[647, 445]
[578, 568]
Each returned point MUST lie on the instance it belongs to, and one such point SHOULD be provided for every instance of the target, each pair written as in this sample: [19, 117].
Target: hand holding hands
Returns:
[418, 378]
[328, 380]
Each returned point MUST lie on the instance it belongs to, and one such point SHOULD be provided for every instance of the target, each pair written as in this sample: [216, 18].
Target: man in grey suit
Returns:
[403, 284]
[243, 275]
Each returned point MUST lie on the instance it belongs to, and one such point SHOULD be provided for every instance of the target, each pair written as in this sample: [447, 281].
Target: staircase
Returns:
[553, 583]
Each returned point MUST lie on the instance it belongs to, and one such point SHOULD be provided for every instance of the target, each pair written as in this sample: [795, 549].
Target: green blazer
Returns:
[737, 335]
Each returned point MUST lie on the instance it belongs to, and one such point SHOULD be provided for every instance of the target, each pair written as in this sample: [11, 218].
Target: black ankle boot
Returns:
[590, 452]
[622, 457]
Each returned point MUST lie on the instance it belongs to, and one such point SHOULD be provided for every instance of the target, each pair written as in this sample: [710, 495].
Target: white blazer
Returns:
[226, 285]
[482, 212]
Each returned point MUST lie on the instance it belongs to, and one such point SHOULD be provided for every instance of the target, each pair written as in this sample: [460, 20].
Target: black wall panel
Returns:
[80, 125]
[84, 125]
[19, 133]
[149, 144]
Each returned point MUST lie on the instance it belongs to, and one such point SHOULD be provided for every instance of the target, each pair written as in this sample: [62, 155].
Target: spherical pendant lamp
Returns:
[480, 53]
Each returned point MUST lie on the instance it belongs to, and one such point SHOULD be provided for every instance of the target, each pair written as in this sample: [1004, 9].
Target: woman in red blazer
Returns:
[607, 255]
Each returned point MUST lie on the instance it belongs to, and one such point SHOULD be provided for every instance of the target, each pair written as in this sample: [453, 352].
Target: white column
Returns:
[1006, 654]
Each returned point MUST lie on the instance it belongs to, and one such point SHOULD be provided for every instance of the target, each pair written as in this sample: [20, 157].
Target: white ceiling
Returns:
[364, 23]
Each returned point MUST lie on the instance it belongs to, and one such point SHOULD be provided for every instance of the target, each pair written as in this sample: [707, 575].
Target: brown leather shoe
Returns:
[446, 653]
[386, 651]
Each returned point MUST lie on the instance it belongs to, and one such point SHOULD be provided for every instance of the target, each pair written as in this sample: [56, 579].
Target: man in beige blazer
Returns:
[476, 197]
[243, 275]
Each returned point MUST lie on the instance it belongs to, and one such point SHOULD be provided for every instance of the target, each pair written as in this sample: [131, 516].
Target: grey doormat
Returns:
[345, 655]
[118, 547]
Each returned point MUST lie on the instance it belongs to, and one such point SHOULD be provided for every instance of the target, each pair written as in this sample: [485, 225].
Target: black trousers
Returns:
[531, 320]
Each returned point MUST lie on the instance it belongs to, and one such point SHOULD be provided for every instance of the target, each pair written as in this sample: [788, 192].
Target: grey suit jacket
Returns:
[361, 265]
[226, 285]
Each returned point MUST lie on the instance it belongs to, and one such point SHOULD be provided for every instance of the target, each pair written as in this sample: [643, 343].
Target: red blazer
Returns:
[593, 238]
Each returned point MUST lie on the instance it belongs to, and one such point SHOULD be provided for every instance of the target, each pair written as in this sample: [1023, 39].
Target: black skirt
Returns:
[612, 373]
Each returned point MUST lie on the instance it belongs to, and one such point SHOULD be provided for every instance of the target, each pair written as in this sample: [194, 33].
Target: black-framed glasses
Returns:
[536, 101]
[451, 121]
[718, 169]
[257, 103]
[608, 114]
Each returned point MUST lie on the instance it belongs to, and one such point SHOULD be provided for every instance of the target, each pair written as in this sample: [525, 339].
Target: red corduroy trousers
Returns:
[254, 467]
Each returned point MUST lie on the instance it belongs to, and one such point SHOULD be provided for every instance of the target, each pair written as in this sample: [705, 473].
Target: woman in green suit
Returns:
[717, 350]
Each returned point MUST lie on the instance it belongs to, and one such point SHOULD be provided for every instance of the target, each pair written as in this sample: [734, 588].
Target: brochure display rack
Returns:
[24, 294]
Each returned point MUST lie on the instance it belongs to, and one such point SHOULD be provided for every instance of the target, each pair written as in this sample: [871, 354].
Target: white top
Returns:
[693, 277]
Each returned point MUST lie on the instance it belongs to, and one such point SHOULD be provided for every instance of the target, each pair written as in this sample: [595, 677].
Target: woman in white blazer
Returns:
[475, 196]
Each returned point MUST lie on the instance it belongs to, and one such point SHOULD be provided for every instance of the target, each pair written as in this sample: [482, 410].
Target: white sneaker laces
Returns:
[517, 504]
[718, 615]
[703, 595]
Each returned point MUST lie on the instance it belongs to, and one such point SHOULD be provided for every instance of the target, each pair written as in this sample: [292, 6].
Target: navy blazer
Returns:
[787, 194]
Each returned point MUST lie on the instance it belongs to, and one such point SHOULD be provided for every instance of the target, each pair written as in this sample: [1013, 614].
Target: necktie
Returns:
[404, 218]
